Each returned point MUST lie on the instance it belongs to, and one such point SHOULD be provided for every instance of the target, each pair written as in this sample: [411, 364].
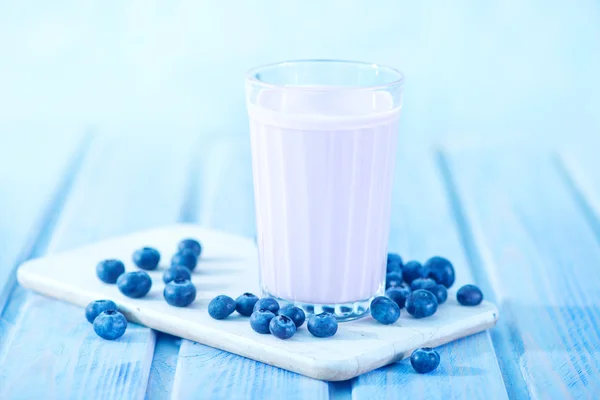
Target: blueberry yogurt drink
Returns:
[323, 136]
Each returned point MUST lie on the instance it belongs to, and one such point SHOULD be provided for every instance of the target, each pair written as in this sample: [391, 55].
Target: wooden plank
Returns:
[127, 184]
[225, 202]
[31, 183]
[423, 226]
[541, 257]
[206, 372]
[162, 370]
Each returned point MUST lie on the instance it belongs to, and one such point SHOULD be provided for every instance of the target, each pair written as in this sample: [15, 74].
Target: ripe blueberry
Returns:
[296, 314]
[186, 258]
[260, 320]
[146, 258]
[244, 304]
[384, 310]
[393, 267]
[421, 303]
[440, 292]
[282, 327]
[440, 270]
[134, 284]
[180, 292]
[425, 360]
[221, 307]
[109, 270]
[322, 325]
[398, 294]
[176, 272]
[423, 283]
[394, 258]
[110, 325]
[267, 303]
[96, 307]
[411, 271]
[191, 244]
[393, 279]
[469, 295]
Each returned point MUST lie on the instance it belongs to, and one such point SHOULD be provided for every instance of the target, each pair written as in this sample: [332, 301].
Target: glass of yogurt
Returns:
[323, 135]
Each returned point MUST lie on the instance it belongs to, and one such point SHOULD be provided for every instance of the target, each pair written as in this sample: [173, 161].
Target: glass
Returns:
[324, 137]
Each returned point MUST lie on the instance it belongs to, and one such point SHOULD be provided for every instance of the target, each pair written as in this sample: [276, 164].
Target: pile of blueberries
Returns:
[179, 290]
[266, 316]
[419, 288]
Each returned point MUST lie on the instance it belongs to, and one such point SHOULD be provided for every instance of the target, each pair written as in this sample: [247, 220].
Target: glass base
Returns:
[342, 311]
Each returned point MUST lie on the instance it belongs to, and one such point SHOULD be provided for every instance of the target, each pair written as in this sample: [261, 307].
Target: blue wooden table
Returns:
[498, 170]
[524, 225]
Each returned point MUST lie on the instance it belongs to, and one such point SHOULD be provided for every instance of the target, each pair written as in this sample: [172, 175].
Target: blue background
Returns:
[477, 72]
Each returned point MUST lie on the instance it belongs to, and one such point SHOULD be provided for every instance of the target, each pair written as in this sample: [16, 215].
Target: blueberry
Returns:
[186, 258]
[146, 258]
[440, 292]
[96, 307]
[134, 284]
[267, 303]
[191, 244]
[469, 295]
[421, 303]
[411, 271]
[176, 272]
[109, 270]
[393, 267]
[110, 325]
[423, 283]
[425, 360]
[322, 325]
[296, 314]
[260, 320]
[393, 279]
[282, 327]
[394, 258]
[245, 304]
[398, 294]
[440, 270]
[180, 292]
[384, 310]
[221, 307]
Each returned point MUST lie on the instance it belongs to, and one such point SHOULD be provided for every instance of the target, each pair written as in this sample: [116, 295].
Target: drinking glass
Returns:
[323, 135]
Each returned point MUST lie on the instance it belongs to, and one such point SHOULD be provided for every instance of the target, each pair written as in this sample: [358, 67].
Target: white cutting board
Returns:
[229, 266]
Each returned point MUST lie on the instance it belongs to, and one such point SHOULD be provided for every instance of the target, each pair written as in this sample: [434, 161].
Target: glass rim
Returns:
[251, 75]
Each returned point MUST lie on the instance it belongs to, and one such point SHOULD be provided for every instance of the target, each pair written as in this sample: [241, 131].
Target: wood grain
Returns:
[541, 256]
[204, 372]
[127, 183]
[423, 226]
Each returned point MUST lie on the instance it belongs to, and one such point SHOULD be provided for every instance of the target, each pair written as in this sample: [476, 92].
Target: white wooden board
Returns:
[229, 266]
